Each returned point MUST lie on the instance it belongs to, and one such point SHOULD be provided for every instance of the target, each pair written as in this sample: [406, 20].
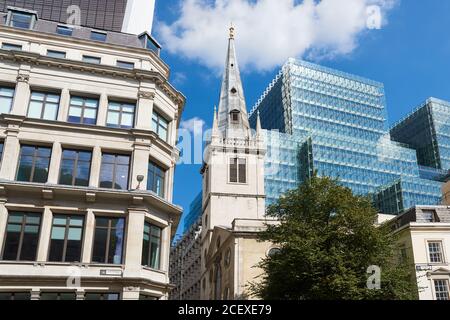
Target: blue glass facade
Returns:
[427, 129]
[195, 211]
[319, 119]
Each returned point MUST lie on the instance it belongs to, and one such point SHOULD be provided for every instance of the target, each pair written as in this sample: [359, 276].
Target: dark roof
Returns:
[100, 14]
[112, 37]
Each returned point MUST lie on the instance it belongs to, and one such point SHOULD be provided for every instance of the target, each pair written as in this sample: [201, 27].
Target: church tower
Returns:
[233, 169]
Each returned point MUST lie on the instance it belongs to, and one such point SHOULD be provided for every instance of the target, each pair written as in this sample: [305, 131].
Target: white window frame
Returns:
[441, 241]
[434, 287]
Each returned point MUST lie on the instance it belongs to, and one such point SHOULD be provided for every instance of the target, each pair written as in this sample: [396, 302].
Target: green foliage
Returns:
[328, 240]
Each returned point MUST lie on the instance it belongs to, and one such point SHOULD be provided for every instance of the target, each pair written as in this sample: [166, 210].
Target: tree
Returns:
[328, 239]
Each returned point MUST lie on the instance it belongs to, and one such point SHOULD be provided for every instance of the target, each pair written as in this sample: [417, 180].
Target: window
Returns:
[234, 116]
[11, 46]
[1, 151]
[64, 30]
[34, 164]
[238, 167]
[58, 296]
[441, 289]
[125, 65]
[65, 241]
[159, 126]
[83, 110]
[22, 236]
[120, 115]
[151, 249]
[91, 59]
[21, 20]
[430, 216]
[101, 296]
[56, 54]
[75, 168]
[108, 240]
[98, 36]
[156, 178]
[15, 296]
[114, 171]
[435, 251]
[6, 99]
[43, 105]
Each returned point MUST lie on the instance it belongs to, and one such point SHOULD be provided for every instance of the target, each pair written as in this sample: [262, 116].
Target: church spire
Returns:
[232, 114]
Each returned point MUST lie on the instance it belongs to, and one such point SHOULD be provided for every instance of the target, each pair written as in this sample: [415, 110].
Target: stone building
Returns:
[424, 242]
[88, 128]
[233, 194]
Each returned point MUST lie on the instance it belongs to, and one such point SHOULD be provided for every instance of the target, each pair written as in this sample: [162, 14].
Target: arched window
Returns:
[218, 283]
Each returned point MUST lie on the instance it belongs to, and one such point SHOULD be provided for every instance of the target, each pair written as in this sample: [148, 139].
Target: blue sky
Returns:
[410, 54]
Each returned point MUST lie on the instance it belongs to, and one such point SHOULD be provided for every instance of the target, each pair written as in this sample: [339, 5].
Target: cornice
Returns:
[155, 77]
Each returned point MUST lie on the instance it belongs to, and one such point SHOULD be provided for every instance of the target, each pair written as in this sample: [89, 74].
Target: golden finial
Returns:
[231, 31]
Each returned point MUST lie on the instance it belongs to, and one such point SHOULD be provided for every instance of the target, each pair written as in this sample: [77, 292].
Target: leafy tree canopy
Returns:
[328, 239]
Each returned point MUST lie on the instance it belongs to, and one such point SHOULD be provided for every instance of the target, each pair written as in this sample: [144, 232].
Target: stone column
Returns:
[64, 105]
[102, 110]
[165, 249]
[133, 246]
[11, 152]
[22, 92]
[141, 156]
[55, 163]
[144, 110]
[44, 239]
[95, 167]
[89, 231]
[169, 182]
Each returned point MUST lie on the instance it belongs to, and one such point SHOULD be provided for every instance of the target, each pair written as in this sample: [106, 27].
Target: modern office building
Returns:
[88, 131]
[195, 211]
[424, 243]
[185, 257]
[426, 129]
[320, 119]
[127, 16]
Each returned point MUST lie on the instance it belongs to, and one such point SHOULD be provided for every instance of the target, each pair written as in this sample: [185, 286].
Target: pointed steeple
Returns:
[215, 129]
[258, 125]
[232, 108]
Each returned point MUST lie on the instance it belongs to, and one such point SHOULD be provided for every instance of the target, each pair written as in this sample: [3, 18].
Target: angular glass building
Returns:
[320, 119]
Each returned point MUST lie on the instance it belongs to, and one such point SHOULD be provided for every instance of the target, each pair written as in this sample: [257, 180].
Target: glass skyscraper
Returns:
[320, 119]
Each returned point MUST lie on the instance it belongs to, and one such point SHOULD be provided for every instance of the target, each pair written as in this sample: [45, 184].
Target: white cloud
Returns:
[194, 125]
[267, 31]
[179, 78]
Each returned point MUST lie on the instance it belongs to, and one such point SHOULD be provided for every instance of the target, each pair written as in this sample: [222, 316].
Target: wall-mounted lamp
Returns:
[140, 178]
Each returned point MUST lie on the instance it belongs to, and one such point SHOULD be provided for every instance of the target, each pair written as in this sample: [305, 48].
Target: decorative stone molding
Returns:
[90, 197]
[23, 78]
[47, 194]
[146, 95]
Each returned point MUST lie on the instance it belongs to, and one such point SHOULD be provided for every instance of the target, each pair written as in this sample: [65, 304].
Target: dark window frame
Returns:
[33, 166]
[56, 53]
[98, 35]
[83, 109]
[148, 262]
[160, 119]
[102, 295]
[66, 234]
[75, 167]
[94, 59]
[121, 111]
[22, 233]
[58, 295]
[235, 169]
[13, 13]
[115, 165]
[125, 64]
[156, 170]
[44, 103]
[64, 30]
[11, 46]
[13, 293]
[109, 230]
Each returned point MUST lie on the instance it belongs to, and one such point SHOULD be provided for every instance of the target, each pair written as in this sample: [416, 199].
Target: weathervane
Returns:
[231, 31]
